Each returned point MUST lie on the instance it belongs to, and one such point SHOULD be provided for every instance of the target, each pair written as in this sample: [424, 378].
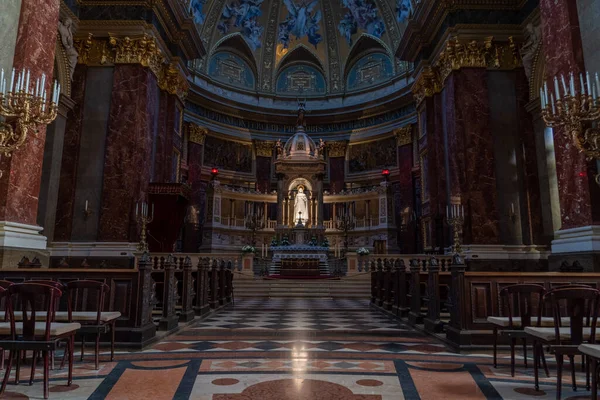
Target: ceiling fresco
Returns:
[330, 36]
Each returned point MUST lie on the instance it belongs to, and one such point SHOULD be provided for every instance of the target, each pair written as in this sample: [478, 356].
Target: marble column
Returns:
[405, 157]
[50, 181]
[320, 200]
[127, 165]
[21, 173]
[192, 230]
[472, 179]
[263, 173]
[280, 201]
[337, 173]
[578, 193]
[162, 170]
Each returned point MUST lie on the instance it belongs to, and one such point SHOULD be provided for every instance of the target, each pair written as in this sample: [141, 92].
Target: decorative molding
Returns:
[84, 48]
[403, 135]
[142, 50]
[337, 149]
[264, 148]
[173, 80]
[336, 84]
[267, 79]
[427, 83]
[197, 134]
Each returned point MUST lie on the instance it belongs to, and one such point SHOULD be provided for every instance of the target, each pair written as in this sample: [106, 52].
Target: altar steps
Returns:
[275, 268]
[299, 288]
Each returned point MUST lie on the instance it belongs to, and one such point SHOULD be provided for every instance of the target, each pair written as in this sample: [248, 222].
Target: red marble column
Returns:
[20, 181]
[564, 54]
[163, 157]
[128, 153]
[70, 159]
[470, 147]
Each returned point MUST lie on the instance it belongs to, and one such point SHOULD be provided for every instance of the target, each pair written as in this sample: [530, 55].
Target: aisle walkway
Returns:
[295, 350]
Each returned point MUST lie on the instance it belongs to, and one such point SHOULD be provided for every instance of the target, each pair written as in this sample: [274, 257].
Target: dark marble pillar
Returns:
[563, 52]
[336, 173]
[405, 163]
[166, 138]
[127, 164]
[263, 174]
[21, 177]
[70, 155]
[470, 149]
[197, 207]
[50, 182]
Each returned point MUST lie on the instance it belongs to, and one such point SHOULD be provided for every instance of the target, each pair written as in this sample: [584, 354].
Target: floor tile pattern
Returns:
[296, 349]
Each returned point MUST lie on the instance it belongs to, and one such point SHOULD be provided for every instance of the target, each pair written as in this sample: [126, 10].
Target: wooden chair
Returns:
[4, 285]
[592, 351]
[580, 306]
[32, 334]
[528, 299]
[94, 322]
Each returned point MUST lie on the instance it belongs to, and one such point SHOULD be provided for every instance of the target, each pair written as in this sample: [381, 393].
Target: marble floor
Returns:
[295, 349]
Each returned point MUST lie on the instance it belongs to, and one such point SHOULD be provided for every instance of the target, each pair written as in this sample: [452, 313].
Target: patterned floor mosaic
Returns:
[296, 350]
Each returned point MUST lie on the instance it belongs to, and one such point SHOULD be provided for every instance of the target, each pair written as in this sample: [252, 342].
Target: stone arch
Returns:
[365, 45]
[300, 54]
[235, 43]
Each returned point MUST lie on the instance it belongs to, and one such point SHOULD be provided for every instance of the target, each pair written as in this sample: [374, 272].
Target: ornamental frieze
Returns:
[427, 83]
[403, 135]
[197, 134]
[264, 148]
[142, 50]
[173, 80]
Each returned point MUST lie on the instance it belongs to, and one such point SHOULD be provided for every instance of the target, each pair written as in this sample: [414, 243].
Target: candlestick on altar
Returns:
[455, 215]
[144, 219]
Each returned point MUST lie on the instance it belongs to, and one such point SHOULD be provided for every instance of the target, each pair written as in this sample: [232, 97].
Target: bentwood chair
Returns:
[527, 300]
[592, 351]
[31, 333]
[94, 322]
[4, 285]
[578, 305]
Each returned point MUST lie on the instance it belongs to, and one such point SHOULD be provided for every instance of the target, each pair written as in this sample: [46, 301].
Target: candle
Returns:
[597, 84]
[572, 85]
[43, 86]
[552, 102]
[581, 83]
[556, 88]
[12, 81]
[542, 98]
[27, 82]
[589, 89]
[2, 80]
[546, 93]
[86, 205]
[564, 84]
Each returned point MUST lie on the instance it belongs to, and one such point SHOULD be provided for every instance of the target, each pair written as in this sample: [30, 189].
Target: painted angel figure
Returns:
[300, 22]
[403, 9]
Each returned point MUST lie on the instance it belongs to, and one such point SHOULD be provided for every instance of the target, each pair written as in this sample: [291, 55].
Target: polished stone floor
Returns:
[295, 349]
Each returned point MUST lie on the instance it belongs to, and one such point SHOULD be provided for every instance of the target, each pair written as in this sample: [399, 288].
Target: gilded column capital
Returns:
[197, 134]
[141, 50]
[403, 135]
[264, 148]
[426, 84]
[485, 53]
[337, 149]
[173, 80]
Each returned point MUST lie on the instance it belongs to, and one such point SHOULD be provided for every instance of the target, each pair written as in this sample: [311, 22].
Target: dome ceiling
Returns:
[301, 47]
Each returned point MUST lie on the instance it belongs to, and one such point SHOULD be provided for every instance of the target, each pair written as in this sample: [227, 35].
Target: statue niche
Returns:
[301, 206]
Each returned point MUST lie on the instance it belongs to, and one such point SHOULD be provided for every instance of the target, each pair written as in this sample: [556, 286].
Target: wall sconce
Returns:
[511, 212]
[86, 211]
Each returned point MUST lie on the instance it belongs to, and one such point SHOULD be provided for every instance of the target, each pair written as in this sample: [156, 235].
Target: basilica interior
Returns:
[299, 199]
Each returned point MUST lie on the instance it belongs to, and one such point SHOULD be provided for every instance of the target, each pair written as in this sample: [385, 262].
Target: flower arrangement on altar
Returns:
[285, 241]
[362, 251]
[248, 249]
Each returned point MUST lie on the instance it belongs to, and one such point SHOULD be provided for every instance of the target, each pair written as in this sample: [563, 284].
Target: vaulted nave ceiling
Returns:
[301, 47]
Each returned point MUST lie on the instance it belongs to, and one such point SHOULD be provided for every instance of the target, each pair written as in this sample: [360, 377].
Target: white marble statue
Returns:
[66, 36]
[534, 36]
[301, 206]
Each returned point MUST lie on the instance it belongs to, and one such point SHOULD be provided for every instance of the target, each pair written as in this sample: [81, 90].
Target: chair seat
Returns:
[503, 322]
[56, 328]
[549, 334]
[592, 350]
[82, 316]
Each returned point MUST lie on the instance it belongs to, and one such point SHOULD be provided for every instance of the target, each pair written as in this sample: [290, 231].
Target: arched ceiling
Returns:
[282, 46]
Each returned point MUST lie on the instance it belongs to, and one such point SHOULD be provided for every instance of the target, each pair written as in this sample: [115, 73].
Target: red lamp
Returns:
[214, 172]
[385, 173]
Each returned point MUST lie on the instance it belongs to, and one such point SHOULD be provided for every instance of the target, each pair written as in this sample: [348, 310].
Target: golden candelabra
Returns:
[144, 218]
[573, 109]
[24, 104]
[455, 215]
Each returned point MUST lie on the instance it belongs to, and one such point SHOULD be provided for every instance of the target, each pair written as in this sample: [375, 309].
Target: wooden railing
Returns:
[453, 300]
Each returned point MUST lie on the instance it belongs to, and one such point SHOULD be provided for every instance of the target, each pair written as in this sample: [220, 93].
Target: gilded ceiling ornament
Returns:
[142, 50]
[197, 134]
[337, 149]
[264, 148]
[403, 135]
[173, 81]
